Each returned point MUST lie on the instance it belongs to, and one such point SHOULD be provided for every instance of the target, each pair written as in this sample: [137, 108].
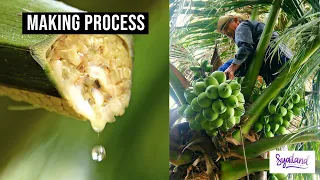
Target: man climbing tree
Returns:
[246, 34]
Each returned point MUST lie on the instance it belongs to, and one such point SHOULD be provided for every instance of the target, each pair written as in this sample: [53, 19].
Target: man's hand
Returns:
[231, 70]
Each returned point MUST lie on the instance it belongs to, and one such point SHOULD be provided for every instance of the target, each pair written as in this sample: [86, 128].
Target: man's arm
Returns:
[244, 41]
[231, 70]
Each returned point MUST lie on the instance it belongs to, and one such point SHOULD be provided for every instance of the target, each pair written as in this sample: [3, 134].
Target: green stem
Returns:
[255, 66]
[254, 13]
[235, 169]
[253, 112]
[178, 83]
[173, 95]
[19, 70]
[267, 144]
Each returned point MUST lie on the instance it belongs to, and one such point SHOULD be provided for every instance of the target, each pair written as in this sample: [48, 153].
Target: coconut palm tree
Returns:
[192, 40]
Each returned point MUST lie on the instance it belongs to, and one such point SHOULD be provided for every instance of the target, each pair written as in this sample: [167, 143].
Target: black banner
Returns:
[85, 23]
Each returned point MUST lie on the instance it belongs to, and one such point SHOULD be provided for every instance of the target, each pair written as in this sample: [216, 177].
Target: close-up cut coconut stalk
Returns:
[84, 76]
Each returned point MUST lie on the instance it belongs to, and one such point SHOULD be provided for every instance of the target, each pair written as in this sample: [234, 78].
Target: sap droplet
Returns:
[98, 153]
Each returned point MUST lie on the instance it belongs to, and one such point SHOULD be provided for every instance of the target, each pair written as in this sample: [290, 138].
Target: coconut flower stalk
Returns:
[255, 66]
[84, 76]
[255, 13]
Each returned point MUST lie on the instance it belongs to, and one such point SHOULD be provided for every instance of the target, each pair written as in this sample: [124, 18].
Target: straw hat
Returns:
[224, 20]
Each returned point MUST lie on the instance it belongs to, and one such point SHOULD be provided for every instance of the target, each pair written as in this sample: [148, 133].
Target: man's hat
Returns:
[226, 19]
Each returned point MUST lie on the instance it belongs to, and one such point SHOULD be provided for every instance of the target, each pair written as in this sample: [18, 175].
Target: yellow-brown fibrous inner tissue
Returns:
[93, 73]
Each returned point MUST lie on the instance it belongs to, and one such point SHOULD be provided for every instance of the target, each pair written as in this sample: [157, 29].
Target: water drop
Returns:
[98, 153]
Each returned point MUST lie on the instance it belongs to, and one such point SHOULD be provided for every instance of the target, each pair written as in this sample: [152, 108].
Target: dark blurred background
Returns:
[37, 144]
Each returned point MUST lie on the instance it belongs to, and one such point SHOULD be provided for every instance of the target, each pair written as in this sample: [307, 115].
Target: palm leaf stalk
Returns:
[267, 144]
[255, 13]
[174, 95]
[236, 169]
[253, 112]
[178, 82]
[256, 63]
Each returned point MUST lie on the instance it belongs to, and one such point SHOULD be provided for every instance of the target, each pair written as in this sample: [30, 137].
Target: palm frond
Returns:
[234, 4]
[315, 5]
[294, 8]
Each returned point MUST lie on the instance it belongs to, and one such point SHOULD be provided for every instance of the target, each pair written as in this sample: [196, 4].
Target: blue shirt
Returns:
[247, 36]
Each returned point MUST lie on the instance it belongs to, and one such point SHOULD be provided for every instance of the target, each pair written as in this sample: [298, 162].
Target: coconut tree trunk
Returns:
[255, 66]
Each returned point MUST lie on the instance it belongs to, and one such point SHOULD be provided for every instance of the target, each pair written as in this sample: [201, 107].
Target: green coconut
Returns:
[218, 106]
[199, 87]
[220, 76]
[203, 100]
[209, 114]
[212, 92]
[224, 90]
[231, 101]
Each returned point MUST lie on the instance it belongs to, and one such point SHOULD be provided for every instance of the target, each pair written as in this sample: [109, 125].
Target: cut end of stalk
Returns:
[93, 73]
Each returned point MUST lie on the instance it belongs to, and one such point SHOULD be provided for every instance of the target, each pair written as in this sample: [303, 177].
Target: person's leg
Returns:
[265, 72]
[271, 67]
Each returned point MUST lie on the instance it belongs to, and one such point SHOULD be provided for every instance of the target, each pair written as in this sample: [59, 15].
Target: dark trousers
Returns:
[269, 69]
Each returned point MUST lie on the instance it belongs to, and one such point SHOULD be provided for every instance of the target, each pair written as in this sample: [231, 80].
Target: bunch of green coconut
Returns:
[200, 71]
[279, 114]
[213, 104]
